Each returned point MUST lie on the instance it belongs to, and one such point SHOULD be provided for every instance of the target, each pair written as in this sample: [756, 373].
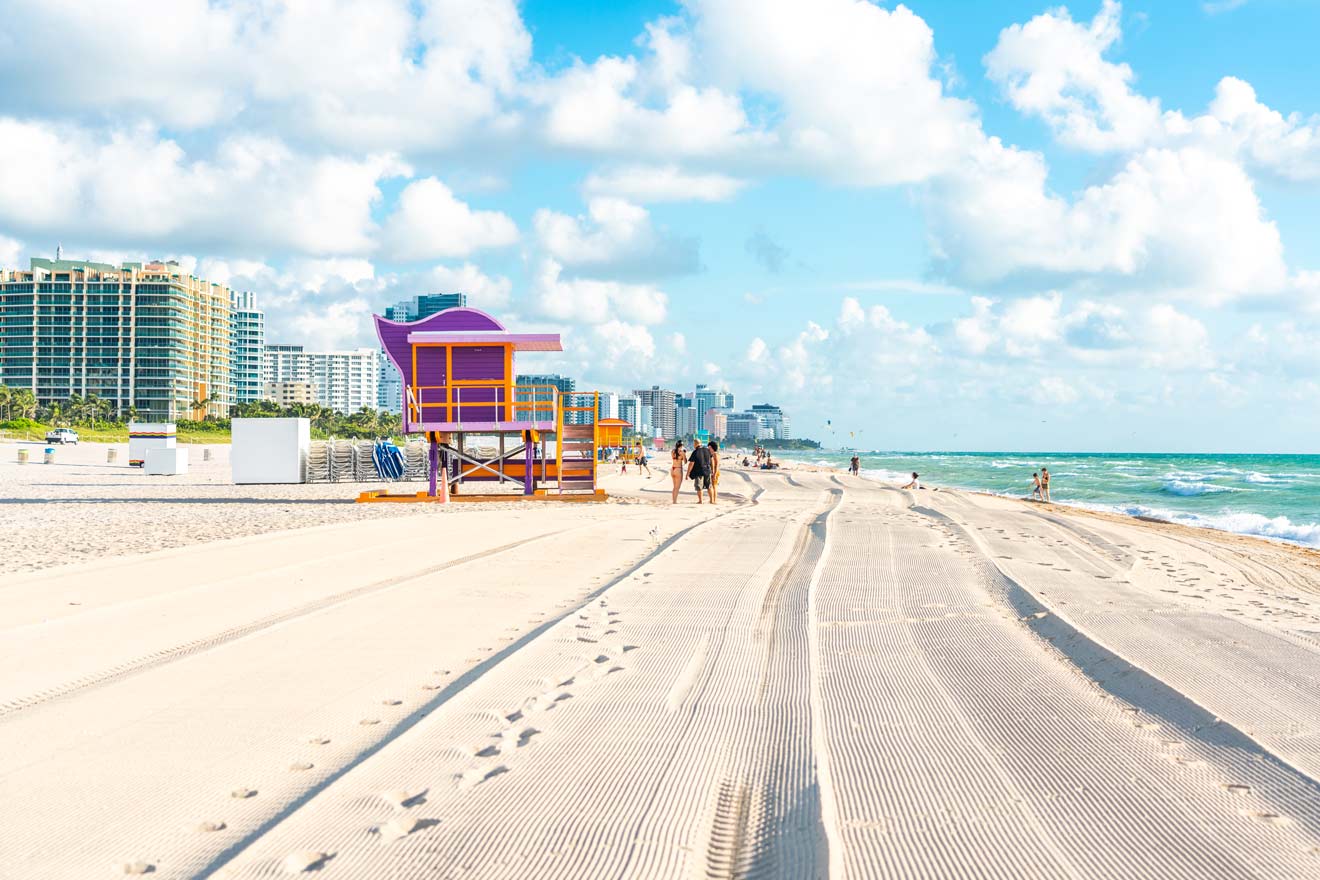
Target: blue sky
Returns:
[963, 225]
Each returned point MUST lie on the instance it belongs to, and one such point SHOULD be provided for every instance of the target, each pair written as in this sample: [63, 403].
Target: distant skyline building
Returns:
[607, 405]
[565, 384]
[389, 384]
[150, 338]
[663, 409]
[289, 393]
[424, 305]
[717, 423]
[685, 421]
[630, 410]
[247, 351]
[743, 426]
[344, 381]
[706, 399]
[773, 420]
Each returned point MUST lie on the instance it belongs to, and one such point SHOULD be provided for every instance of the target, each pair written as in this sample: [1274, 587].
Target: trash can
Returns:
[50, 455]
[22, 456]
[111, 455]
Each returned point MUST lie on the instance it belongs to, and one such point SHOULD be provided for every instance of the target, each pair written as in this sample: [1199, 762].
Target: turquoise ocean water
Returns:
[1272, 496]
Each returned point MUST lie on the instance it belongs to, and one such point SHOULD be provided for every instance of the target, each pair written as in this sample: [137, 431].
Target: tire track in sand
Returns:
[155, 659]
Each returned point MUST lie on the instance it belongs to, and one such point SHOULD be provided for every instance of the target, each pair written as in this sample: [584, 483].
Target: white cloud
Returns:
[856, 98]
[10, 252]
[360, 74]
[1288, 146]
[590, 301]
[1053, 67]
[429, 222]
[662, 183]
[602, 107]
[484, 292]
[133, 186]
[1053, 391]
[615, 238]
[1047, 330]
[1182, 219]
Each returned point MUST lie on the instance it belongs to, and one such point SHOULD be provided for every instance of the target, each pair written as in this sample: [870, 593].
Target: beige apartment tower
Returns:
[150, 338]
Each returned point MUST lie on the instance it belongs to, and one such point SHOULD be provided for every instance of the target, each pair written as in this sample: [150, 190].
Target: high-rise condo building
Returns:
[247, 349]
[706, 399]
[607, 405]
[344, 381]
[773, 420]
[630, 410]
[389, 385]
[150, 338]
[663, 410]
[685, 421]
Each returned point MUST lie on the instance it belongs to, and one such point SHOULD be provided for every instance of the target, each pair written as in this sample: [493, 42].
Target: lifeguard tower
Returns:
[458, 370]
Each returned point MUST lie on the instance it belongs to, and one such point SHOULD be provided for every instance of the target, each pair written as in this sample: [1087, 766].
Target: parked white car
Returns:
[62, 436]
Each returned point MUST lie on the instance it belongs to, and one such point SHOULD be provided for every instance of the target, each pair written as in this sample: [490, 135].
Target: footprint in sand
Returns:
[318, 741]
[134, 868]
[488, 752]
[403, 798]
[305, 860]
[208, 827]
[299, 766]
[1235, 788]
[1266, 817]
[368, 722]
[243, 793]
[391, 702]
[401, 826]
[477, 775]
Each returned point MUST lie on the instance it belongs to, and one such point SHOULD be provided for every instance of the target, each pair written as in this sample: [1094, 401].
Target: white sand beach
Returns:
[819, 677]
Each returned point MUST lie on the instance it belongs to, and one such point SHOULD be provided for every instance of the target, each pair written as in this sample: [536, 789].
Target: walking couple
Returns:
[703, 466]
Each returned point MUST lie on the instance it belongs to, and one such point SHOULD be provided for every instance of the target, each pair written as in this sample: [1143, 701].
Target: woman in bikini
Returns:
[677, 467]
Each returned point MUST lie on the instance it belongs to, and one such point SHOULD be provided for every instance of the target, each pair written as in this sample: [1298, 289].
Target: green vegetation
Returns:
[21, 418]
[796, 443]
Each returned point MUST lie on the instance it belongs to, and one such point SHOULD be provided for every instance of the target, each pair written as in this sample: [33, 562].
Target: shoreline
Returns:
[1309, 554]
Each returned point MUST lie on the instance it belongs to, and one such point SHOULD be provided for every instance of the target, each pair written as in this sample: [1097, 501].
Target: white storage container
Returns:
[269, 450]
[166, 462]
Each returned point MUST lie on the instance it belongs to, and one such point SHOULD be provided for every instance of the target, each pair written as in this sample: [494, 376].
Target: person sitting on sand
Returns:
[678, 460]
[1045, 485]
[1035, 487]
[915, 483]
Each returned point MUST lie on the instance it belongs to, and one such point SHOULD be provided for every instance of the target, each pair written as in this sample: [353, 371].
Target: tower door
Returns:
[480, 384]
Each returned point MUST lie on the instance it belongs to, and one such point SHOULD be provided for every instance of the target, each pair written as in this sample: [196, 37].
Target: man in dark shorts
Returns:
[700, 467]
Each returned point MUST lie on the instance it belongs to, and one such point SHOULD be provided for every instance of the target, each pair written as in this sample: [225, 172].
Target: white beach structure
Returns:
[270, 450]
[171, 462]
[145, 436]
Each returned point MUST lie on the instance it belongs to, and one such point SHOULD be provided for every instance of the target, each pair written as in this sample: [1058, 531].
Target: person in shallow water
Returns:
[855, 466]
[1035, 486]
[1045, 485]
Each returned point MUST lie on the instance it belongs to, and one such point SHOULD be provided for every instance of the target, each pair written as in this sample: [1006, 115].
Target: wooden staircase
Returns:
[576, 446]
